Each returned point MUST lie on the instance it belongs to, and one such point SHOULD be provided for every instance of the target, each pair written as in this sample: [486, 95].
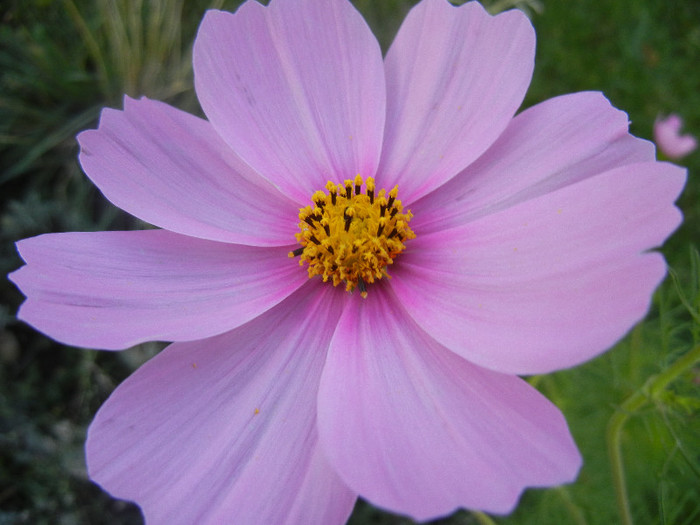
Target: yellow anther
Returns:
[358, 184]
[392, 196]
[351, 237]
[319, 198]
[370, 189]
[333, 192]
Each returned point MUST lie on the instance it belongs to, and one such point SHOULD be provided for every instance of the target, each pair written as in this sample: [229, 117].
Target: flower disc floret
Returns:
[350, 237]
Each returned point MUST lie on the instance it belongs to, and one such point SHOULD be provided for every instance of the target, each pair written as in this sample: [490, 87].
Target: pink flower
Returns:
[515, 245]
[667, 134]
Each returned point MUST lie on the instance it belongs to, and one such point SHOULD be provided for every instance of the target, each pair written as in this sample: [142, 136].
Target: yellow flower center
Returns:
[351, 237]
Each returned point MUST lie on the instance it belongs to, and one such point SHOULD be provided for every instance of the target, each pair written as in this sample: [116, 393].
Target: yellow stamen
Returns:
[351, 237]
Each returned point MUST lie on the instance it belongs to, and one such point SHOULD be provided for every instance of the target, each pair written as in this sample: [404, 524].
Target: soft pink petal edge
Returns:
[112, 290]
[172, 170]
[223, 430]
[296, 88]
[455, 78]
[551, 145]
[418, 430]
[548, 283]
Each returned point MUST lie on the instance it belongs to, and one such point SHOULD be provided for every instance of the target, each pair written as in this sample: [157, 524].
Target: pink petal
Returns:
[455, 77]
[172, 170]
[113, 290]
[296, 88]
[550, 282]
[418, 430]
[224, 430]
[667, 134]
[551, 145]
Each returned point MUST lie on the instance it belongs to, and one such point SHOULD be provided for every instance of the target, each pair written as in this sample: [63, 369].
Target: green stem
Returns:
[482, 518]
[577, 516]
[91, 45]
[651, 388]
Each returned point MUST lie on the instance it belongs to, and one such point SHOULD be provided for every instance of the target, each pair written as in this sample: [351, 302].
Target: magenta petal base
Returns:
[418, 430]
[199, 433]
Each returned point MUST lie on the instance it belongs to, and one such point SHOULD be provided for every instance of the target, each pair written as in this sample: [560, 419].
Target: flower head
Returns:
[439, 246]
[667, 134]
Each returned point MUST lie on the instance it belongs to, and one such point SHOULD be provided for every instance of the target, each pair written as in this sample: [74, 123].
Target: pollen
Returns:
[349, 235]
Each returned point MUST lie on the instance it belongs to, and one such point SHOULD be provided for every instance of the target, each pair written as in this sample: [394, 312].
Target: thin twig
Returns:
[649, 391]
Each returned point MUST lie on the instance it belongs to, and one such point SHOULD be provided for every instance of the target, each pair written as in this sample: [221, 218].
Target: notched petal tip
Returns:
[238, 395]
[112, 290]
[455, 78]
[428, 432]
[272, 97]
[172, 170]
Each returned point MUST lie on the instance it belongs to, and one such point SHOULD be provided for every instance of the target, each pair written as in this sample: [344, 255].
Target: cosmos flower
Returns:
[667, 134]
[355, 259]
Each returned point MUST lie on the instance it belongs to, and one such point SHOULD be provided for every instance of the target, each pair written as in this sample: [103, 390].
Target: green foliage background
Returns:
[634, 411]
